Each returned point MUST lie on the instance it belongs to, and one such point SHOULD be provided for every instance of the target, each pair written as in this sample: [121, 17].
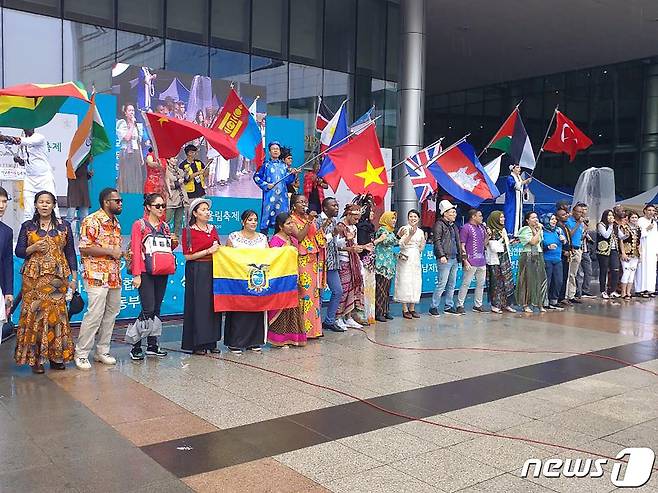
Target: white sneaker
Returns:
[340, 323]
[353, 324]
[82, 363]
[604, 295]
[106, 359]
[615, 294]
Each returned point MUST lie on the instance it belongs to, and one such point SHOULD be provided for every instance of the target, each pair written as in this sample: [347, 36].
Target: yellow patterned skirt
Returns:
[43, 331]
[310, 283]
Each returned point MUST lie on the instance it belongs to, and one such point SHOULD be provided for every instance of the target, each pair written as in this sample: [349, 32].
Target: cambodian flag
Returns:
[459, 172]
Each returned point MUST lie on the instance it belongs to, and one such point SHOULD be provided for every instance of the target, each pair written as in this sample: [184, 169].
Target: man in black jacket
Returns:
[448, 256]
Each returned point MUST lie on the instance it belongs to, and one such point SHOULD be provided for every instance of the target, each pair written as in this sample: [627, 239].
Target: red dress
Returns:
[155, 175]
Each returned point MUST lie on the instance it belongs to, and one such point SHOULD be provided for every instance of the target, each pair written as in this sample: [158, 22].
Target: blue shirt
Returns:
[552, 238]
[577, 236]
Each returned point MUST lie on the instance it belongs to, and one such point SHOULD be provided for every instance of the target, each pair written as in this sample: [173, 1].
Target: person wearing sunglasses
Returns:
[100, 252]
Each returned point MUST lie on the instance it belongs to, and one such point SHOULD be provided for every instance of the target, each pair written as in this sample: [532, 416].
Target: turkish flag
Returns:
[170, 134]
[567, 138]
[361, 165]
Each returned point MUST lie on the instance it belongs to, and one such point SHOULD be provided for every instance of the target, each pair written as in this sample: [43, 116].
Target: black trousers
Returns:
[609, 264]
[151, 294]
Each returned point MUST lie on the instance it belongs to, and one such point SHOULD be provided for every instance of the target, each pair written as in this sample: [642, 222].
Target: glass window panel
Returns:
[229, 65]
[339, 35]
[89, 53]
[46, 7]
[304, 88]
[140, 49]
[43, 65]
[273, 75]
[229, 26]
[371, 38]
[144, 16]
[392, 41]
[186, 57]
[269, 28]
[306, 31]
[93, 12]
[390, 114]
[188, 20]
[336, 88]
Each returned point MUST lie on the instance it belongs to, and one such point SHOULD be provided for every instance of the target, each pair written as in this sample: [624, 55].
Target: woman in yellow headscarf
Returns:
[385, 261]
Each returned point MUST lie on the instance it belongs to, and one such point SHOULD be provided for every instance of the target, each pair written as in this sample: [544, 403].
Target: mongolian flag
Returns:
[459, 172]
[255, 279]
[34, 105]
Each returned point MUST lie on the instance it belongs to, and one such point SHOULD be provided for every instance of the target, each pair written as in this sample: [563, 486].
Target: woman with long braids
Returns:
[49, 271]
[151, 245]
[311, 260]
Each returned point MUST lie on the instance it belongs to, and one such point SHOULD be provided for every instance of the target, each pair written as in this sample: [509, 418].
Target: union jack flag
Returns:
[423, 181]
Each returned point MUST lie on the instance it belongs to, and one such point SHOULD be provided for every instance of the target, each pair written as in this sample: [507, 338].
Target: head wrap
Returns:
[493, 223]
[386, 218]
[546, 221]
[273, 143]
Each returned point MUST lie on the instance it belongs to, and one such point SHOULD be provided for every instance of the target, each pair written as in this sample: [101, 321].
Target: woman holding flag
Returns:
[311, 250]
[245, 329]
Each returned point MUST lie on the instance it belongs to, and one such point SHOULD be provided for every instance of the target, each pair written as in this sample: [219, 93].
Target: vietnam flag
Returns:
[567, 138]
[170, 134]
[361, 165]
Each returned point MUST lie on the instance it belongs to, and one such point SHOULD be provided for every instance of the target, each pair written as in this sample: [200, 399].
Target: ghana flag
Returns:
[254, 279]
[34, 105]
[513, 140]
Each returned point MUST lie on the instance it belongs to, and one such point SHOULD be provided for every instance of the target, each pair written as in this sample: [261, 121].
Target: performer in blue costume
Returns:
[513, 208]
[275, 195]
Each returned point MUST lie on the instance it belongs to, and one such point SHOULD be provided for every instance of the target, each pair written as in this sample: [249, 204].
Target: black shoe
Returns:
[155, 351]
[576, 301]
[452, 311]
[479, 309]
[216, 350]
[137, 354]
[388, 316]
[332, 327]
[380, 318]
[54, 365]
[460, 310]
[434, 312]
[414, 314]
[200, 352]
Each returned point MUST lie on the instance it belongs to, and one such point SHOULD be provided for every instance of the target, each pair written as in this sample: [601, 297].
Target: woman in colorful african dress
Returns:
[531, 283]
[500, 280]
[350, 270]
[50, 269]
[285, 326]
[312, 276]
[385, 260]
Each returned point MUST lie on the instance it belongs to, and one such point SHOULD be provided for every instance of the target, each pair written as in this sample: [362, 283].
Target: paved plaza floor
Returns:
[406, 406]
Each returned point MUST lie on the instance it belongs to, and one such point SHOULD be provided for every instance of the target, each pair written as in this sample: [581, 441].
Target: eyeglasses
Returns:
[159, 206]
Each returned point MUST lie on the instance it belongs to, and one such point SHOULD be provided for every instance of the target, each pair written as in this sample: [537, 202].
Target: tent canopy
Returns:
[648, 197]
[539, 193]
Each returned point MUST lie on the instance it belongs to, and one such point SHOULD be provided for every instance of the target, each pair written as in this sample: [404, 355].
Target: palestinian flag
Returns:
[88, 141]
[513, 140]
[34, 105]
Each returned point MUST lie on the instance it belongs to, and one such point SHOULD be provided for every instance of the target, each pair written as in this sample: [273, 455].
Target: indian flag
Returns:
[89, 140]
[34, 105]
[513, 140]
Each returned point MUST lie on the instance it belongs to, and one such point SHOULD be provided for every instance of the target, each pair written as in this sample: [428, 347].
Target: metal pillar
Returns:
[649, 157]
[411, 99]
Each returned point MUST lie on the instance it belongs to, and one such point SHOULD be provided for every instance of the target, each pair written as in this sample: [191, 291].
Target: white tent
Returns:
[648, 197]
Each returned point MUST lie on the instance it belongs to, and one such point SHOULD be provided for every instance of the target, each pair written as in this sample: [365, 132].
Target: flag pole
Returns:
[543, 143]
[492, 138]
[449, 148]
[313, 158]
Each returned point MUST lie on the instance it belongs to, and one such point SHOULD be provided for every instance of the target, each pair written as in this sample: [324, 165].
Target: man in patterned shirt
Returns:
[100, 249]
[326, 223]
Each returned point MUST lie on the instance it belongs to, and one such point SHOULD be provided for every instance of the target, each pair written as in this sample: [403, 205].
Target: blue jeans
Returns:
[554, 277]
[446, 283]
[336, 288]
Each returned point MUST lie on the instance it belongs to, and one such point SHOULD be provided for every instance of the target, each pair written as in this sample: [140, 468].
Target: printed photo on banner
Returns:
[172, 97]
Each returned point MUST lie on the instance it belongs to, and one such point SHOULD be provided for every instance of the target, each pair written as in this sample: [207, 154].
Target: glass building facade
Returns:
[297, 49]
[608, 103]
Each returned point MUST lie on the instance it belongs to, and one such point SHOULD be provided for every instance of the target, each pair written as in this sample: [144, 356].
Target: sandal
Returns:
[407, 315]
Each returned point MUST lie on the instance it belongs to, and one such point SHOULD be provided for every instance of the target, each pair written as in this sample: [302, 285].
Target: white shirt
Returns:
[36, 162]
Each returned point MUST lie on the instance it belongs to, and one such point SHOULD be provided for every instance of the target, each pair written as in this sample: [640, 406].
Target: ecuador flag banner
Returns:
[254, 279]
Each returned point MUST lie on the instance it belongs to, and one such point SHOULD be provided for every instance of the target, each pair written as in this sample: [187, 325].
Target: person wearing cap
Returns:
[447, 251]
[202, 326]
[273, 178]
[513, 208]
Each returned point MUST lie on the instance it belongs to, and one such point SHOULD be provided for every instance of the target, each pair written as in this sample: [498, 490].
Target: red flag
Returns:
[361, 165]
[567, 138]
[170, 134]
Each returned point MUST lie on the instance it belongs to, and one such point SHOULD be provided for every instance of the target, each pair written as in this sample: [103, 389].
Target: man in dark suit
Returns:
[6, 259]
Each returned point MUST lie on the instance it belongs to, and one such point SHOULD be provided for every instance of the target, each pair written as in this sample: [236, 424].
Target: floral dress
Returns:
[312, 277]
[385, 265]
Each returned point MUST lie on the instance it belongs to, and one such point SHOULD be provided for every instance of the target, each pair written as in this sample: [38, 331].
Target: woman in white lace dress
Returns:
[408, 275]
